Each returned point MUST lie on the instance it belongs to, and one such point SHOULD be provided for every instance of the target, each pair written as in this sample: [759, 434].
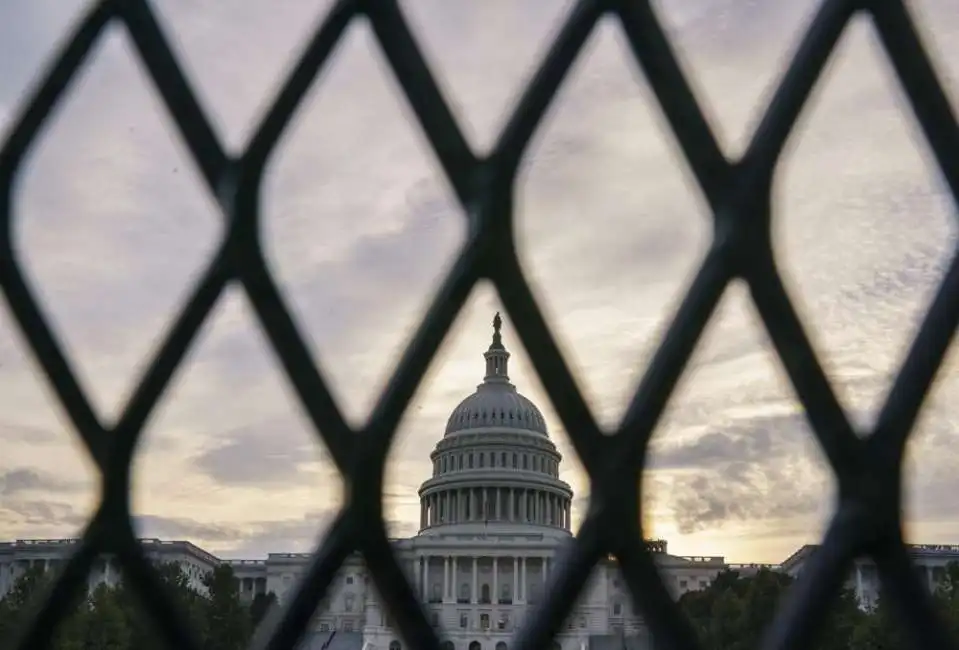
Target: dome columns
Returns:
[520, 505]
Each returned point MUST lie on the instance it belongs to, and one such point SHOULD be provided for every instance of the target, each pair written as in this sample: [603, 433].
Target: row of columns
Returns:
[867, 580]
[519, 592]
[495, 504]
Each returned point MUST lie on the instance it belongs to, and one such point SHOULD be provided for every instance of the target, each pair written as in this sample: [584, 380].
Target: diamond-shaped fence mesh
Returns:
[868, 468]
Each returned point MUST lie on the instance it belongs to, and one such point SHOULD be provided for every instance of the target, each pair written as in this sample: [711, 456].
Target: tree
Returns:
[734, 612]
[260, 607]
[17, 606]
[105, 626]
[113, 617]
[226, 619]
[176, 587]
[759, 603]
[723, 630]
[27, 585]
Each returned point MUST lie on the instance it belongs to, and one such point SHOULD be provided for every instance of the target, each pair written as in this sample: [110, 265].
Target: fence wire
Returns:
[867, 521]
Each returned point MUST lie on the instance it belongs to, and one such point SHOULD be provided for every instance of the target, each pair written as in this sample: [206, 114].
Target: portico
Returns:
[456, 578]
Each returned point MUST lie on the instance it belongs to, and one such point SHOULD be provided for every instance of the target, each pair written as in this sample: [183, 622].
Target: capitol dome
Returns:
[495, 470]
[496, 406]
[496, 403]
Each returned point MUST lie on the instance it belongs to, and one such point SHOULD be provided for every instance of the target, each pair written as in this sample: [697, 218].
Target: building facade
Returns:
[929, 560]
[19, 556]
[494, 518]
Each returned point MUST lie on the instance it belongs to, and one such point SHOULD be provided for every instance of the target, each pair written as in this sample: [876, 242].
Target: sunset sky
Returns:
[113, 225]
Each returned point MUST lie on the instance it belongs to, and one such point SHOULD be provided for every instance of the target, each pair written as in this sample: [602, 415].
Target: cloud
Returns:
[743, 493]
[25, 479]
[756, 470]
[249, 458]
[401, 528]
[14, 432]
[294, 535]
[760, 439]
[113, 226]
[180, 528]
[253, 539]
[39, 517]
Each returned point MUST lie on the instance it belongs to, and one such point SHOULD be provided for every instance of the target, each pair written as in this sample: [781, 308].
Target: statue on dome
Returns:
[497, 324]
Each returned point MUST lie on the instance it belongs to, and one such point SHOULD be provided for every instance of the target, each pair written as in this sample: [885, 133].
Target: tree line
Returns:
[734, 611]
[730, 614]
[111, 617]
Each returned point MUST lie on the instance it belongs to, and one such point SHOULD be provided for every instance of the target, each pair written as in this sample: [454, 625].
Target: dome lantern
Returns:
[497, 357]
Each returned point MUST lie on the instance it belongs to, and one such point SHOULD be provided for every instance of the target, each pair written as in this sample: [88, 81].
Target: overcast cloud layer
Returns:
[113, 225]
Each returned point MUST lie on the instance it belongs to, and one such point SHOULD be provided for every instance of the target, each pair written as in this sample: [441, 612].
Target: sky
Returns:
[112, 225]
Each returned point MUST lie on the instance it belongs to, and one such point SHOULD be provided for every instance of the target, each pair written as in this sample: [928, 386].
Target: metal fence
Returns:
[868, 469]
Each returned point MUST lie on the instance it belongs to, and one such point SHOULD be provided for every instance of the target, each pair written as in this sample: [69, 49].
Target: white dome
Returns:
[496, 405]
[495, 472]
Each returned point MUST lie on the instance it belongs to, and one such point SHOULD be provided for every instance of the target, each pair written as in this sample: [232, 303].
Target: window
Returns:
[471, 461]
[464, 593]
[484, 594]
[514, 461]
[347, 625]
[482, 460]
[324, 627]
[447, 645]
[505, 598]
[484, 621]
[349, 580]
[617, 609]
[396, 645]
[434, 619]
[464, 620]
[501, 646]
[475, 645]
[502, 623]
[502, 459]
[461, 461]
[682, 584]
[703, 584]
[348, 602]
[525, 461]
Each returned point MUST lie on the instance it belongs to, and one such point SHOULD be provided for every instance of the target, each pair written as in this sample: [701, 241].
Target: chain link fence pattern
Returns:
[867, 521]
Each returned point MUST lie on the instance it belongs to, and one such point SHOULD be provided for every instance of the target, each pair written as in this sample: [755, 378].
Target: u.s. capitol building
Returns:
[494, 517]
